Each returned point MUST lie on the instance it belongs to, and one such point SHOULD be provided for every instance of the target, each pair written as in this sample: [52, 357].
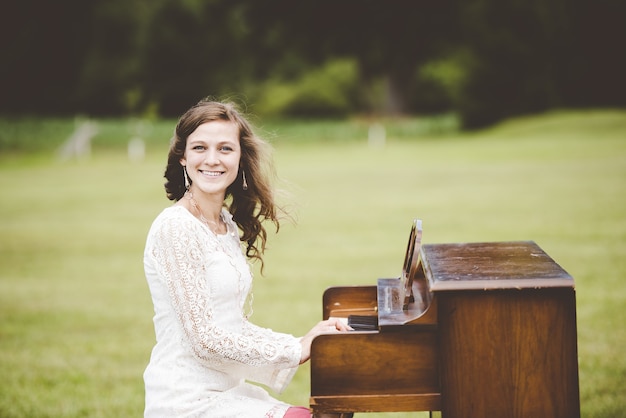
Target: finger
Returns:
[342, 326]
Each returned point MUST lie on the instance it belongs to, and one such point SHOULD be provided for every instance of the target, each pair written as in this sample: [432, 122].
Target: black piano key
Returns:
[363, 322]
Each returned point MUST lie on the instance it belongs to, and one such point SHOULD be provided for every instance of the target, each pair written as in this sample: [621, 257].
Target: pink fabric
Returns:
[298, 412]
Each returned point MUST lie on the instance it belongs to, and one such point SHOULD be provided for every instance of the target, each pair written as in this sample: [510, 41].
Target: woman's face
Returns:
[212, 157]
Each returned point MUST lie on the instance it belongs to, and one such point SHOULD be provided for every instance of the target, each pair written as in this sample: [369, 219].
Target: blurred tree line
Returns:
[482, 59]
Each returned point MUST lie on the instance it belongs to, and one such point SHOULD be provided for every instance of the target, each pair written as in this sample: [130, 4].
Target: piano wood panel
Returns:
[359, 371]
[509, 353]
[342, 301]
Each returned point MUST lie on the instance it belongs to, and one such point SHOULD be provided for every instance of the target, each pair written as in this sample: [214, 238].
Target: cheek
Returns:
[234, 161]
[192, 159]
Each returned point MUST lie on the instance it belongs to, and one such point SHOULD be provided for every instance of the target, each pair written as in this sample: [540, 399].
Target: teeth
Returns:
[211, 173]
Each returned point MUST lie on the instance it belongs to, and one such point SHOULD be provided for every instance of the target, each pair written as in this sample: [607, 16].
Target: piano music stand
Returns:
[411, 261]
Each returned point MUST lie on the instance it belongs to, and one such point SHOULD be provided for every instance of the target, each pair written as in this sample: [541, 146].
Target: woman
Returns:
[218, 173]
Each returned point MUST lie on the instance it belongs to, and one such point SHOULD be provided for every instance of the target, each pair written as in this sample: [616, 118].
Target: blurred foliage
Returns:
[325, 91]
[485, 60]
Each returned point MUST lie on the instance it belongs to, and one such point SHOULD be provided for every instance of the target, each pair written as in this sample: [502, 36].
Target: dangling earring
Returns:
[187, 184]
[244, 184]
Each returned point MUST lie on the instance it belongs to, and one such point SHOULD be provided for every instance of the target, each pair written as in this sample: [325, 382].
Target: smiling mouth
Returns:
[211, 173]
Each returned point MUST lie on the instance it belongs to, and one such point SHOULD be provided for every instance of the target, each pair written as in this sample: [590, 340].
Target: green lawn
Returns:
[75, 313]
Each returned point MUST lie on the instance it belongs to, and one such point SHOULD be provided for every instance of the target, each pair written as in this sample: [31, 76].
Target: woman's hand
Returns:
[329, 326]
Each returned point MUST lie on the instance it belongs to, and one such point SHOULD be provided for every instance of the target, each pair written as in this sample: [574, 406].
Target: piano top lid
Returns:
[490, 266]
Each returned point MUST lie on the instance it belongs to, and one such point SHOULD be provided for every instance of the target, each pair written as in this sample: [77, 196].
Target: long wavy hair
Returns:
[250, 207]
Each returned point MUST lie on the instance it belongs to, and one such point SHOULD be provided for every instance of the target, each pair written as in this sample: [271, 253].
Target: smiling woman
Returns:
[199, 277]
[211, 135]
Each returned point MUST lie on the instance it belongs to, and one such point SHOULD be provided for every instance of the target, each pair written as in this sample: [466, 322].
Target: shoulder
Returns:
[173, 218]
[233, 228]
[173, 213]
[227, 217]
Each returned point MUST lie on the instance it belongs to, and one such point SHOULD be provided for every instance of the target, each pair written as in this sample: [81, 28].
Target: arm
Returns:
[182, 261]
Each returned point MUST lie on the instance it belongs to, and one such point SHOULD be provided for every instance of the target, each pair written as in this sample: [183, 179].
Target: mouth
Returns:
[211, 173]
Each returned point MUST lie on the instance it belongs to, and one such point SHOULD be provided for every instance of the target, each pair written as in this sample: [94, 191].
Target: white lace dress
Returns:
[206, 350]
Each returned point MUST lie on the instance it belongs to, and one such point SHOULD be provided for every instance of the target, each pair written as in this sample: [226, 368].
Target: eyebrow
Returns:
[218, 142]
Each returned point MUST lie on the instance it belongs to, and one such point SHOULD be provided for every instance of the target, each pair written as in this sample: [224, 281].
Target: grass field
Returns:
[75, 313]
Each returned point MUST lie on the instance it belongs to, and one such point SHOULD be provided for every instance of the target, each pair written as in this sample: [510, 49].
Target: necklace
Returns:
[219, 225]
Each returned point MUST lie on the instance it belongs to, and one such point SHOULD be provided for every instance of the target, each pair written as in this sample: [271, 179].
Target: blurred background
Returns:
[484, 60]
[492, 120]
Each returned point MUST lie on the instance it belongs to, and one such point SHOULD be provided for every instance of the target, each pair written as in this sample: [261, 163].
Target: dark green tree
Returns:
[43, 44]
[529, 56]
[388, 39]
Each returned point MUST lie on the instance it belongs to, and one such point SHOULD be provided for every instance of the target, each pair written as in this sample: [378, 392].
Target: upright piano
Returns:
[471, 330]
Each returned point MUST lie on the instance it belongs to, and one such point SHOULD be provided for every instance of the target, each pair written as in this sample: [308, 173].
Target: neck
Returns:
[209, 209]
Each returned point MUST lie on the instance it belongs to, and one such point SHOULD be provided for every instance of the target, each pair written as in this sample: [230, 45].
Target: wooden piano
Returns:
[471, 330]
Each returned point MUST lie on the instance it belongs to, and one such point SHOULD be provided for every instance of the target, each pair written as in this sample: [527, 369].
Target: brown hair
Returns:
[250, 207]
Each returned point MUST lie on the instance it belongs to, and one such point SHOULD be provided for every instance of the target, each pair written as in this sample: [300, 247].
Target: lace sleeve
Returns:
[183, 259]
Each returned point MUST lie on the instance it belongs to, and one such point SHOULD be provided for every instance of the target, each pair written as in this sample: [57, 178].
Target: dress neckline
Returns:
[229, 227]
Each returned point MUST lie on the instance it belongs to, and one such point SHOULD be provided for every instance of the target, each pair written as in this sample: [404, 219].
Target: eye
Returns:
[198, 147]
[226, 148]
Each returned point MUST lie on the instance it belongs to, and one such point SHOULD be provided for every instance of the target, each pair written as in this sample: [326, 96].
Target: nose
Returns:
[212, 157]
